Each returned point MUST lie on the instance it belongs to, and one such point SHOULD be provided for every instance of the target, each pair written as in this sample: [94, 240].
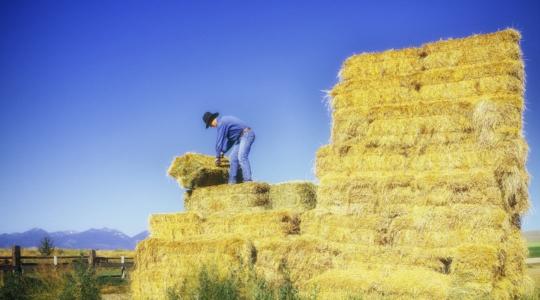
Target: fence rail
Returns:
[17, 262]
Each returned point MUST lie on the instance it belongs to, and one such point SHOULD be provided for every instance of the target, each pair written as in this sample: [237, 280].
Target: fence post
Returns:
[92, 258]
[16, 258]
[123, 268]
[55, 260]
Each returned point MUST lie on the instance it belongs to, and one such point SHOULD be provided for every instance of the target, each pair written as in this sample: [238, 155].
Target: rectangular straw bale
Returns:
[175, 226]
[451, 238]
[421, 127]
[449, 53]
[428, 226]
[485, 117]
[425, 62]
[254, 225]
[353, 255]
[300, 196]
[346, 193]
[417, 139]
[510, 67]
[346, 94]
[193, 170]
[459, 180]
[179, 226]
[248, 196]
[409, 195]
[458, 160]
[383, 281]
[303, 257]
[162, 265]
[462, 106]
[487, 40]
[516, 148]
[481, 41]
[509, 176]
[341, 228]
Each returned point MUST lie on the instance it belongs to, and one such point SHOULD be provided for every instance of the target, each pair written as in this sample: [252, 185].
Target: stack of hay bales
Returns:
[225, 226]
[424, 182]
[421, 193]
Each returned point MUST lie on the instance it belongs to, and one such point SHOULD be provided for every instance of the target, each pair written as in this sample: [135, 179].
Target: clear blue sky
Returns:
[96, 97]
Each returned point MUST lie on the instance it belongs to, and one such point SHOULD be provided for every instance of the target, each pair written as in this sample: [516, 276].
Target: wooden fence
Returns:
[19, 263]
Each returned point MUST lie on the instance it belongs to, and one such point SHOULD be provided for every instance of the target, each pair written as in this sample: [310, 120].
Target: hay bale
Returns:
[175, 227]
[499, 46]
[162, 265]
[300, 196]
[252, 225]
[302, 257]
[510, 67]
[193, 170]
[439, 117]
[347, 94]
[506, 189]
[383, 281]
[248, 196]
[462, 159]
[419, 226]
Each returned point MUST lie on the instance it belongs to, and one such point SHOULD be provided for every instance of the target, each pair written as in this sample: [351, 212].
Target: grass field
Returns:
[534, 249]
[108, 278]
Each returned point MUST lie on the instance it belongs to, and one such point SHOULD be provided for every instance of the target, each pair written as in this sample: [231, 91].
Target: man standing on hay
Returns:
[232, 134]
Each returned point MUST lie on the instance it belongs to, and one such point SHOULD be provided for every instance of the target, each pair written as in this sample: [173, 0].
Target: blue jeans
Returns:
[239, 156]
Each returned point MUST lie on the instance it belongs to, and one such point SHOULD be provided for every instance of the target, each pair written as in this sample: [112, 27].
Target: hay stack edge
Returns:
[421, 192]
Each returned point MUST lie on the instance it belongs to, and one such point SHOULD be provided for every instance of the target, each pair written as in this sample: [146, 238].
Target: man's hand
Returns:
[218, 162]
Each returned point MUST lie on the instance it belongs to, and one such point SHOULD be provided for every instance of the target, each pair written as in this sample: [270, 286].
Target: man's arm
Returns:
[220, 141]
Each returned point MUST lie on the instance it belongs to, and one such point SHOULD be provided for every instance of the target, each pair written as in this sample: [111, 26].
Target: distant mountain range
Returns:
[105, 238]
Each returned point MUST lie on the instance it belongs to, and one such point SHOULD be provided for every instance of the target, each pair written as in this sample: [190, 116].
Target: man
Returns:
[232, 134]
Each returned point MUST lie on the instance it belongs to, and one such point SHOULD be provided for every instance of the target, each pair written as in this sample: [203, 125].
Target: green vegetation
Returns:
[74, 282]
[81, 283]
[46, 246]
[15, 287]
[534, 249]
[242, 283]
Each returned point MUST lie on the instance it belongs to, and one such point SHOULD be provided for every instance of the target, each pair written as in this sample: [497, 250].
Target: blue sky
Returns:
[96, 97]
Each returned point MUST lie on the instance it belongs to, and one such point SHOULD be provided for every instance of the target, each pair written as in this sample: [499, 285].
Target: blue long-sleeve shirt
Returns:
[229, 130]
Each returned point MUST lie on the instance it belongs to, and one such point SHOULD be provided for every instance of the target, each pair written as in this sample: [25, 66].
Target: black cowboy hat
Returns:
[208, 117]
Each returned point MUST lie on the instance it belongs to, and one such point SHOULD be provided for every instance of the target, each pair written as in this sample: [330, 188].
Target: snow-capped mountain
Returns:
[104, 238]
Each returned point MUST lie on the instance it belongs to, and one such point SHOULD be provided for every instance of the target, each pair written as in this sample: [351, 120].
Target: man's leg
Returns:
[233, 168]
[243, 151]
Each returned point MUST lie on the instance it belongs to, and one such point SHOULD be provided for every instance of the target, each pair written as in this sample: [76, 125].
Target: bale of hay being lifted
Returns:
[193, 170]
[299, 195]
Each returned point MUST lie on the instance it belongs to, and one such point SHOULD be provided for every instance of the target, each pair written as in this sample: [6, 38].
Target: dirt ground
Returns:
[116, 297]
